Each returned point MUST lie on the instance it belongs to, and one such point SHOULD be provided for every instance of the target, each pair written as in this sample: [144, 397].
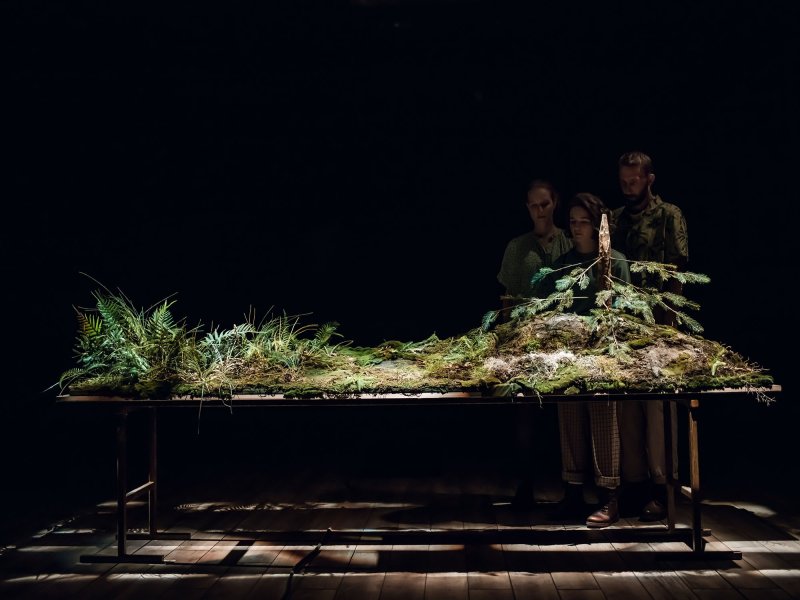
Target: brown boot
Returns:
[608, 513]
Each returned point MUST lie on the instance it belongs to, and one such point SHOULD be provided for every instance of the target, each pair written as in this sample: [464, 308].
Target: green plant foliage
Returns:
[125, 346]
[542, 349]
[665, 272]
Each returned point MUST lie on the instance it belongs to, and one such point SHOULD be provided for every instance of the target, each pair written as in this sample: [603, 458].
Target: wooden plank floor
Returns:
[317, 535]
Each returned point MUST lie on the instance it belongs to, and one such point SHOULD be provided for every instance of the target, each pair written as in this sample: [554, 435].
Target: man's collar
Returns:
[652, 201]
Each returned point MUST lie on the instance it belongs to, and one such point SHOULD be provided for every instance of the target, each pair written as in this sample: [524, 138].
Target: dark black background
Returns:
[366, 163]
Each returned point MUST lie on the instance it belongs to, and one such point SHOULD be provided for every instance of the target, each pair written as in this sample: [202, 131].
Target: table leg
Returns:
[669, 464]
[152, 514]
[694, 476]
[122, 481]
[124, 495]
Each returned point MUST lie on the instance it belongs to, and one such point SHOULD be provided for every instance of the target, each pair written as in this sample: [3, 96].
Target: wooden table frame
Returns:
[122, 407]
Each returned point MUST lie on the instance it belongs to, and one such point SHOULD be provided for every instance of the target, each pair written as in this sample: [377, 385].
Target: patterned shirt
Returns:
[658, 234]
[523, 258]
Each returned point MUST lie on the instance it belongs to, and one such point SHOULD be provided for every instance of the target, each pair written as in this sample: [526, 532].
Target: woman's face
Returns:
[580, 225]
[540, 208]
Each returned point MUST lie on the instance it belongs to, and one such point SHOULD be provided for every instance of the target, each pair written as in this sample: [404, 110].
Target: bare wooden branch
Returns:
[604, 264]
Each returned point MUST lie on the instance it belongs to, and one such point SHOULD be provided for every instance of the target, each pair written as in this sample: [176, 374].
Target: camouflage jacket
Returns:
[656, 234]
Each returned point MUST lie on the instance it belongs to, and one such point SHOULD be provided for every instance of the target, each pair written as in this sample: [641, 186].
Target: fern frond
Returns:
[71, 375]
[89, 325]
[325, 333]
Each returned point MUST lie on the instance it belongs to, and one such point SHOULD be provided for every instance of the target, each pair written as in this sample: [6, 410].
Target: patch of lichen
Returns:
[681, 367]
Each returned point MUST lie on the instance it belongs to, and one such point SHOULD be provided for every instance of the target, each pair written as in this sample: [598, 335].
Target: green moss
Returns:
[532, 346]
[642, 342]
[565, 378]
[541, 354]
[607, 386]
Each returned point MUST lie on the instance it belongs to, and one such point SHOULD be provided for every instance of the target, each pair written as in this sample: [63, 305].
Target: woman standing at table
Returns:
[588, 430]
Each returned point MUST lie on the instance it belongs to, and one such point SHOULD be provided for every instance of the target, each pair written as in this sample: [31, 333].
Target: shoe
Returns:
[571, 506]
[653, 511]
[607, 514]
[656, 508]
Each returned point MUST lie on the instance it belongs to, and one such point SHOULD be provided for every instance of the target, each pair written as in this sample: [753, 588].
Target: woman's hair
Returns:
[543, 183]
[595, 207]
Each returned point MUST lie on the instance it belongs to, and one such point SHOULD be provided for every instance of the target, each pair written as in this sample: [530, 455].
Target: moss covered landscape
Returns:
[542, 348]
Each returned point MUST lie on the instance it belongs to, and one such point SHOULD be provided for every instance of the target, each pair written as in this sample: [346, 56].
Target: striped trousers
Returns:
[589, 438]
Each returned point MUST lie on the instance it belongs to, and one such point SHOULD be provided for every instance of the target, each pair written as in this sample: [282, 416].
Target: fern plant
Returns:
[118, 344]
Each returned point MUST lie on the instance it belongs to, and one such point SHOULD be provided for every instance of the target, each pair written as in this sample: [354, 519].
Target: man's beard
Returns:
[635, 200]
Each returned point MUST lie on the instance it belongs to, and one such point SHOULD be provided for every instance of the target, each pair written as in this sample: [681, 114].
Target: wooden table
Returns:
[121, 407]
